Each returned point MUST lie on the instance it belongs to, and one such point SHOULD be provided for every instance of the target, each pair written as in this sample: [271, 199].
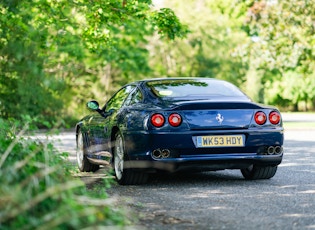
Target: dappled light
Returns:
[61, 62]
[285, 200]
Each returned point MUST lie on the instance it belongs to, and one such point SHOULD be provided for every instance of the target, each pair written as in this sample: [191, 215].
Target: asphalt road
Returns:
[223, 199]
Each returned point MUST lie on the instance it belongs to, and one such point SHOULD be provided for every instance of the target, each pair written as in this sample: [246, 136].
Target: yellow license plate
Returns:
[221, 141]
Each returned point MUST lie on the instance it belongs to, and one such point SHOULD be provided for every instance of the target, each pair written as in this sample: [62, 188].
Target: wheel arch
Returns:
[77, 128]
[115, 130]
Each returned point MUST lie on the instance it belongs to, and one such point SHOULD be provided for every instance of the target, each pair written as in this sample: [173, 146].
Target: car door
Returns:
[101, 124]
[114, 115]
[131, 112]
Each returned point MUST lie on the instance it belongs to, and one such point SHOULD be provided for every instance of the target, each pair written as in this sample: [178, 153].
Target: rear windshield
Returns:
[181, 88]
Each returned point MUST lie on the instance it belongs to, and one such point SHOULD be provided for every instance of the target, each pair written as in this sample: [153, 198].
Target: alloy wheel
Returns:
[119, 157]
[79, 152]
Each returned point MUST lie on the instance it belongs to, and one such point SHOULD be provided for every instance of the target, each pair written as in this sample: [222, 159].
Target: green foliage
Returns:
[289, 90]
[53, 53]
[207, 51]
[168, 24]
[285, 33]
[24, 85]
[282, 42]
[38, 191]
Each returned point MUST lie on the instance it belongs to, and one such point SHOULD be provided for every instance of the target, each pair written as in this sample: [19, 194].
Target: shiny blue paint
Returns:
[207, 119]
[201, 117]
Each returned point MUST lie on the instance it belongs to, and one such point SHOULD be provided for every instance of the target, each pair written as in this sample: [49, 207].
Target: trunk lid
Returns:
[223, 115]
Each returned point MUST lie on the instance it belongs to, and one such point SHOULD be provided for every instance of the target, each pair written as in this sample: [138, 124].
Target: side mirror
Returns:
[93, 105]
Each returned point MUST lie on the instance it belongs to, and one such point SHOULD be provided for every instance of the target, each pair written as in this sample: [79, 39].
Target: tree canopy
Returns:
[51, 51]
[282, 47]
[54, 54]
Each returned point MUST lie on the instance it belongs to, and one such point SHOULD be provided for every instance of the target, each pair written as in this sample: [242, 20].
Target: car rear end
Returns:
[217, 138]
[206, 125]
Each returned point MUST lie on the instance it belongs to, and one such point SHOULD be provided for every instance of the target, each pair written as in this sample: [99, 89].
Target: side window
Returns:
[135, 97]
[118, 99]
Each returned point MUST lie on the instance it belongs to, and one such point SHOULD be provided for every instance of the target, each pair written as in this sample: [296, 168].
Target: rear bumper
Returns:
[206, 162]
[185, 155]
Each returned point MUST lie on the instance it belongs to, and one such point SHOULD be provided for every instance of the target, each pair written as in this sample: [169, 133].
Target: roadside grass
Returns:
[298, 125]
[38, 189]
[298, 120]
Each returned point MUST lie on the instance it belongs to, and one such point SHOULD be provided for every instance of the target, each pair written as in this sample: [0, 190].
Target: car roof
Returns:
[165, 94]
[176, 78]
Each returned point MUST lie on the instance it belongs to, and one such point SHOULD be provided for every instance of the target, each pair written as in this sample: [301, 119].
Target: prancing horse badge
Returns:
[219, 118]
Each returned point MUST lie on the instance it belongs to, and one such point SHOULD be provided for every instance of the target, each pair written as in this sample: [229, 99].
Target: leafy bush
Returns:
[38, 191]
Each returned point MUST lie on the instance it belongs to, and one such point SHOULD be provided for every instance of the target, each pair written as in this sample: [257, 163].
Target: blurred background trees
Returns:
[56, 55]
[282, 50]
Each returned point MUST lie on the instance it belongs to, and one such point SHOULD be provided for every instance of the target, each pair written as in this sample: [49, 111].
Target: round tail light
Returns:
[157, 120]
[274, 117]
[260, 118]
[175, 119]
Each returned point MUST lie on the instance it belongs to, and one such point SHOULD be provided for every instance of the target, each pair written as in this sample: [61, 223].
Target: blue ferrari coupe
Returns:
[180, 124]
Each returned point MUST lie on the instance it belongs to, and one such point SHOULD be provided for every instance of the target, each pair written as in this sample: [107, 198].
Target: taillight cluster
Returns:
[158, 120]
[261, 118]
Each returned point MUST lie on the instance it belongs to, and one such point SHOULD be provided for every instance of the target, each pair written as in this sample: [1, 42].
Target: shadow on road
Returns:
[194, 178]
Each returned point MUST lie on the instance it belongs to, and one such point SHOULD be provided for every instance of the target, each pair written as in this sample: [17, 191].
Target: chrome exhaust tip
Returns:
[271, 150]
[165, 153]
[157, 154]
[278, 149]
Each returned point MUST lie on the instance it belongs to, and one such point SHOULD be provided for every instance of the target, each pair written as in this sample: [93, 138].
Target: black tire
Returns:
[256, 172]
[125, 176]
[83, 163]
